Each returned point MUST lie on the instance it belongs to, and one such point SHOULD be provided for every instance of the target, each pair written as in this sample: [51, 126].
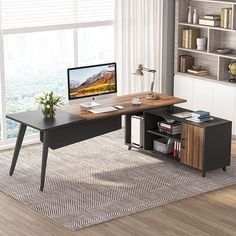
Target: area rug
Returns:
[99, 180]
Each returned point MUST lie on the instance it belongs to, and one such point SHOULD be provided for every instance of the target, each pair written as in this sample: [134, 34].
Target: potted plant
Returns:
[48, 102]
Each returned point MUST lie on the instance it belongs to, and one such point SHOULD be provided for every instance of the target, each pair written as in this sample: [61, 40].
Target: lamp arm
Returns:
[148, 70]
[153, 81]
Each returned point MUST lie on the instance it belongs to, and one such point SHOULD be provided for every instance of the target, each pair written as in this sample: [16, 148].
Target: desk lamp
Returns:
[139, 72]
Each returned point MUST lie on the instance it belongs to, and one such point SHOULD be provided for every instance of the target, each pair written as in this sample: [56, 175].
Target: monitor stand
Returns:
[89, 104]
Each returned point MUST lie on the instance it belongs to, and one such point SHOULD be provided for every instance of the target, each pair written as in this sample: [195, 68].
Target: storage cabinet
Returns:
[204, 146]
[213, 96]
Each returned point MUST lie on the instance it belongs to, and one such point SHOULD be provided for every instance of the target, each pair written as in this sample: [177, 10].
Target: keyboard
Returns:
[102, 109]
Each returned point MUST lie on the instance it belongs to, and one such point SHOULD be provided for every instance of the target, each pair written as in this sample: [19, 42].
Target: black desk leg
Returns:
[44, 159]
[19, 140]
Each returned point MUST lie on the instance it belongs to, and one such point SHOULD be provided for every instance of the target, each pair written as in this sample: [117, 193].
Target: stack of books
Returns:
[200, 116]
[189, 38]
[185, 62]
[226, 18]
[174, 128]
[200, 72]
[210, 20]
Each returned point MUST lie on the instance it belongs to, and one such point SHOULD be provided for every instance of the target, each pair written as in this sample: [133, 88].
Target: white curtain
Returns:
[138, 40]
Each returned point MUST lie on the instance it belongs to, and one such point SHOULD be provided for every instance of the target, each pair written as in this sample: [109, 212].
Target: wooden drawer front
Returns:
[192, 146]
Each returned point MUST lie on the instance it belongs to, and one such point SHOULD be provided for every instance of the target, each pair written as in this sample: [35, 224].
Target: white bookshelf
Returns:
[213, 92]
[216, 37]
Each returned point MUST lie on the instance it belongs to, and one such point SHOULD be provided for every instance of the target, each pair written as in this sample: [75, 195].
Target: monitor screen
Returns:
[90, 81]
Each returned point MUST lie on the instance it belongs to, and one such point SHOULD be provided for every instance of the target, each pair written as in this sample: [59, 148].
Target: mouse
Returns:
[119, 107]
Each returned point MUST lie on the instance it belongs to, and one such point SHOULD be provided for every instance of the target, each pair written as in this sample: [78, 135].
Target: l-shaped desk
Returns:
[73, 124]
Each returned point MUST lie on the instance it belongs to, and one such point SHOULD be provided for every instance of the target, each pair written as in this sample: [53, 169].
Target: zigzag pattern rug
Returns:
[99, 180]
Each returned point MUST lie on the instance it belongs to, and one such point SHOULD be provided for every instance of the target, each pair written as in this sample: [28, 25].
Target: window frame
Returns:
[6, 143]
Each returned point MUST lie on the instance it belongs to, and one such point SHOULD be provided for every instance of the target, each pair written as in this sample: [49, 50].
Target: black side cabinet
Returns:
[204, 146]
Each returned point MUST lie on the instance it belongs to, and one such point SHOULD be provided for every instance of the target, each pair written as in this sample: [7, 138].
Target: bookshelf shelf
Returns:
[205, 27]
[205, 77]
[164, 135]
[229, 56]
[193, 50]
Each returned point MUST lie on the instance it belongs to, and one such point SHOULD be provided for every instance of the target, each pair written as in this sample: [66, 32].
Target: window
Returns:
[41, 39]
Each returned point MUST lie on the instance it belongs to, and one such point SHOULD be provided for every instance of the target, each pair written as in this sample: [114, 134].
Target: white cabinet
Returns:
[202, 95]
[183, 89]
[213, 96]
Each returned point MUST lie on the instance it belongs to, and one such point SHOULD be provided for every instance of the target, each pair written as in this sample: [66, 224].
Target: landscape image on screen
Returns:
[92, 81]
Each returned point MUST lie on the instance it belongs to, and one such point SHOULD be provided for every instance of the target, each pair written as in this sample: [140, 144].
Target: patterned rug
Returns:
[99, 180]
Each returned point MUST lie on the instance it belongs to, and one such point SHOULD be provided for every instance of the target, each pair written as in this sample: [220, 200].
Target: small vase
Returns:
[49, 112]
[195, 16]
[190, 15]
[201, 44]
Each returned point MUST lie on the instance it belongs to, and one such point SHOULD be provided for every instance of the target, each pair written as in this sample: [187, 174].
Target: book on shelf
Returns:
[186, 62]
[189, 37]
[226, 18]
[185, 39]
[230, 19]
[214, 23]
[193, 35]
[198, 72]
[212, 17]
[166, 125]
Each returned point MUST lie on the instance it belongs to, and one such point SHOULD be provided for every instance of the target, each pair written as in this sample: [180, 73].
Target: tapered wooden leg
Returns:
[44, 159]
[19, 140]
[224, 168]
[129, 148]
[203, 173]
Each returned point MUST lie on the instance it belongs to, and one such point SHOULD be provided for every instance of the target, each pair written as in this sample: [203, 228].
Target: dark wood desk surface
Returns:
[124, 101]
[36, 120]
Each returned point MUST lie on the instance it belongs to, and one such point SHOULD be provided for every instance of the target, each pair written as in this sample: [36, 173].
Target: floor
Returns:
[209, 214]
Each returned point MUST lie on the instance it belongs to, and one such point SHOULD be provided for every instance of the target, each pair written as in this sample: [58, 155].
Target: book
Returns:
[214, 23]
[230, 19]
[166, 125]
[226, 17]
[212, 17]
[188, 63]
[181, 69]
[198, 72]
[193, 35]
[222, 17]
[201, 117]
[198, 120]
[185, 38]
[200, 113]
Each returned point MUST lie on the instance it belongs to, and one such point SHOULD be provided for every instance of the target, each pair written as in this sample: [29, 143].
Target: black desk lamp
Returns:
[139, 72]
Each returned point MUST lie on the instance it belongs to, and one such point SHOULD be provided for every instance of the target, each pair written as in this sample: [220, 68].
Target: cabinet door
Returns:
[224, 103]
[192, 146]
[202, 95]
[183, 89]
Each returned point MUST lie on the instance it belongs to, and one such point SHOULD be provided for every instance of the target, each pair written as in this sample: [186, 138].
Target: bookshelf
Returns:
[217, 37]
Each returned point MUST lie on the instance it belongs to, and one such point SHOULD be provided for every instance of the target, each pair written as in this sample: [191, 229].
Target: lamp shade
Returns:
[139, 70]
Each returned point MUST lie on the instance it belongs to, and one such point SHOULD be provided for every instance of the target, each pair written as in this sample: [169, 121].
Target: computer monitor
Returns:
[88, 83]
